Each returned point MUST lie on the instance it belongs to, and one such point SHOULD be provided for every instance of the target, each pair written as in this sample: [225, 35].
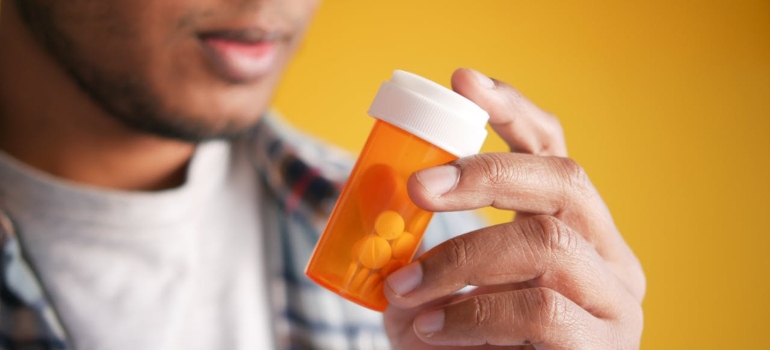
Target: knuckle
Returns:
[553, 143]
[483, 307]
[514, 100]
[554, 122]
[573, 176]
[553, 310]
[459, 252]
[554, 236]
[497, 168]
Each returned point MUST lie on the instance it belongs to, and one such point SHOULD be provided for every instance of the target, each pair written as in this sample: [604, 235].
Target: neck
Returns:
[47, 122]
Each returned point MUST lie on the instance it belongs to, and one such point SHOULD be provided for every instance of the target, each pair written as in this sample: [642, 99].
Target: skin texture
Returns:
[117, 94]
[128, 86]
[560, 276]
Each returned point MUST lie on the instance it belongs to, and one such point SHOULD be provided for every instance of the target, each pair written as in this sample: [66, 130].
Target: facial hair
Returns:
[125, 97]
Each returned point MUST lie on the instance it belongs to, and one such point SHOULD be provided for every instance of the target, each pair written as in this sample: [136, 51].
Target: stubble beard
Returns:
[128, 99]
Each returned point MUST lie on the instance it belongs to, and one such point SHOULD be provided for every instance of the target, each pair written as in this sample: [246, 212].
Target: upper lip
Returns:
[248, 35]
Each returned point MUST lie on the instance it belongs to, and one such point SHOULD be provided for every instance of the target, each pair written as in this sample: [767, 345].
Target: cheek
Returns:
[109, 28]
[119, 39]
[301, 11]
[153, 44]
[309, 6]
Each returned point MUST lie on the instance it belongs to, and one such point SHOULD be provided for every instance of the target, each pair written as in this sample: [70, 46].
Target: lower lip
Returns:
[240, 62]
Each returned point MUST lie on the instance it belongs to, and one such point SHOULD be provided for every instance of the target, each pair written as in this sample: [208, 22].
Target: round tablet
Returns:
[391, 267]
[358, 280]
[356, 251]
[351, 273]
[370, 286]
[389, 224]
[404, 246]
[375, 252]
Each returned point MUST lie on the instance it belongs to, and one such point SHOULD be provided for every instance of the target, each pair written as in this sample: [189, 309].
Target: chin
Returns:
[210, 111]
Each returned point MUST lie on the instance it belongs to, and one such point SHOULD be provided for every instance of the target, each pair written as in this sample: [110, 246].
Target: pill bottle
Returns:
[375, 228]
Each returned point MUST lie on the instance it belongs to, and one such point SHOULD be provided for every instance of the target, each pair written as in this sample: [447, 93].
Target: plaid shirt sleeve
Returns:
[303, 177]
[27, 319]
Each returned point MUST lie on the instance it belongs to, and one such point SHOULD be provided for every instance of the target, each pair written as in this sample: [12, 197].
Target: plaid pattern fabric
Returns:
[303, 177]
[27, 320]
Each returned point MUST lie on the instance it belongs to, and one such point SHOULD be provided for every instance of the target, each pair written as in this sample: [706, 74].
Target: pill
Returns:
[418, 220]
[369, 287]
[389, 225]
[378, 290]
[355, 253]
[403, 247]
[375, 252]
[391, 267]
[357, 278]
[376, 296]
[351, 273]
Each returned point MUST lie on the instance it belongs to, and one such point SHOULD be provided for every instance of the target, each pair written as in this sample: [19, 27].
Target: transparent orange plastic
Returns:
[375, 228]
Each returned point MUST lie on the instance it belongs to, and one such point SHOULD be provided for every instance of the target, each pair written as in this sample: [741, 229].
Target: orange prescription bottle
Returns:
[375, 228]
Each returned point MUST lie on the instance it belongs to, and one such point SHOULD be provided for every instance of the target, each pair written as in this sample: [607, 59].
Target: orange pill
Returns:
[352, 269]
[356, 251]
[389, 225]
[356, 277]
[403, 247]
[377, 293]
[371, 283]
[417, 221]
[391, 267]
[375, 252]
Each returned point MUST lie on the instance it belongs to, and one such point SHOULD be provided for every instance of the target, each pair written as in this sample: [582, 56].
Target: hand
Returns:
[560, 276]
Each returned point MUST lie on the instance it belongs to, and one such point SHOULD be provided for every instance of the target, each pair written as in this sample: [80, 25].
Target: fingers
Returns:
[560, 276]
[531, 185]
[513, 181]
[536, 316]
[521, 182]
[540, 249]
[525, 127]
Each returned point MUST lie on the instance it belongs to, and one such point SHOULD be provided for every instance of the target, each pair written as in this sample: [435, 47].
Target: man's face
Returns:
[186, 69]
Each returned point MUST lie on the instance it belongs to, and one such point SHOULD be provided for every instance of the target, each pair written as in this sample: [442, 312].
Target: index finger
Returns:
[541, 250]
[524, 126]
[528, 184]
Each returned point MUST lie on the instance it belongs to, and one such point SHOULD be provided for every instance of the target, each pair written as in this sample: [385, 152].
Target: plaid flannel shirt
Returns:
[303, 177]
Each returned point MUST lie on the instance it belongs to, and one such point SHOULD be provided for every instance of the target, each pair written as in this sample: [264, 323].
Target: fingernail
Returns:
[483, 80]
[438, 180]
[429, 323]
[405, 279]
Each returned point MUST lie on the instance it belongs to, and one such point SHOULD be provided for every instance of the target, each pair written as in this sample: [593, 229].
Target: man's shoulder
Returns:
[275, 136]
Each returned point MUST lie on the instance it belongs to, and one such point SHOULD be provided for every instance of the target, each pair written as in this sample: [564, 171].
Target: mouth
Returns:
[242, 56]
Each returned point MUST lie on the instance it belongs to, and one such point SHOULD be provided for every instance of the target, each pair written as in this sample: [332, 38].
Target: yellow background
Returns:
[665, 103]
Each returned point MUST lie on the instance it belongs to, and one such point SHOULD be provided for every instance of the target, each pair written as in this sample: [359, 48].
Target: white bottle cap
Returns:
[431, 112]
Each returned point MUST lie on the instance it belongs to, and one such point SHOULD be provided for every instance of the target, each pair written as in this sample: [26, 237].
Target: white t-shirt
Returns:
[175, 269]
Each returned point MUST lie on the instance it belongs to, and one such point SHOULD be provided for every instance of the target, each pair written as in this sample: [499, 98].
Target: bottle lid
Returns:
[431, 112]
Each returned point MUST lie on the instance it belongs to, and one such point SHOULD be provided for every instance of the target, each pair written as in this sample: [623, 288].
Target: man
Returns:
[149, 203]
